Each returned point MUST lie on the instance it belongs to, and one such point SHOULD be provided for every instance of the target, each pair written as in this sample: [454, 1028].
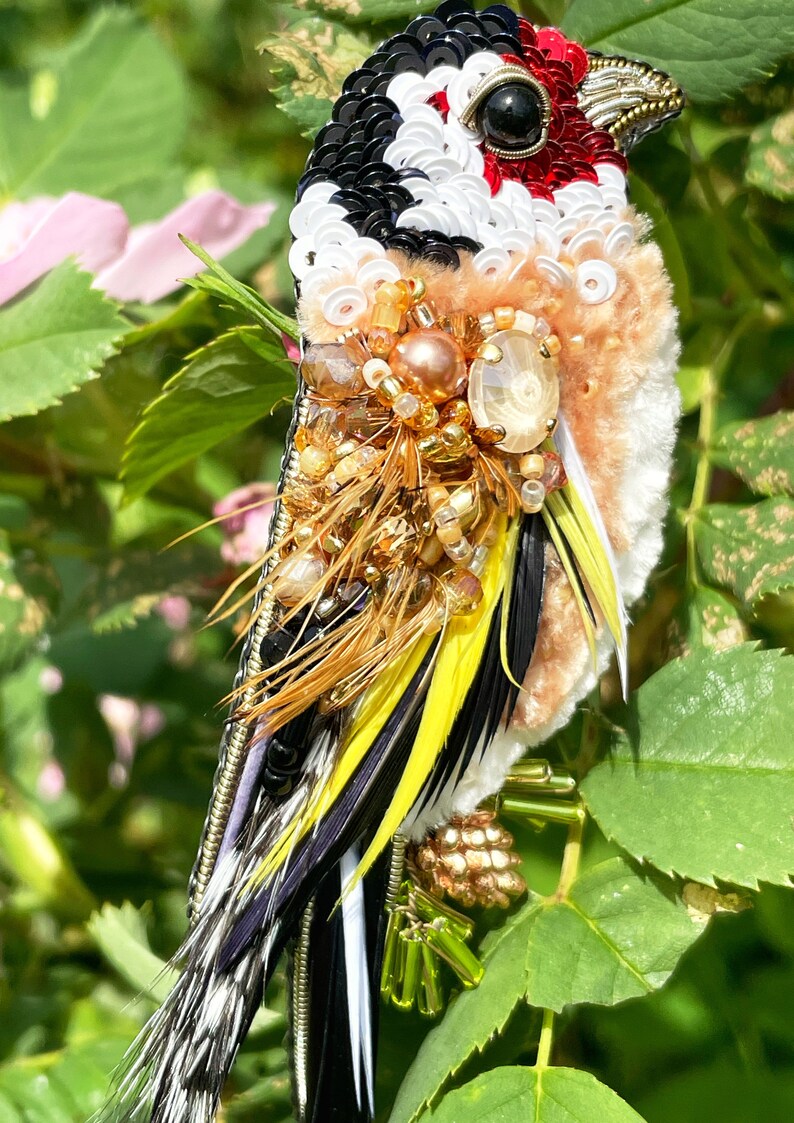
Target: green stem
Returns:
[571, 858]
[707, 426]
[546, 1042]
[752, 268]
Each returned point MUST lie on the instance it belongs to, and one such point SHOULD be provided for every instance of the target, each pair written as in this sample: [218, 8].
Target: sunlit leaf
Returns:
[760, 452]
[549, 1095]
[770, 157]
[53, 340]
[749, 550]
[221, 390]
[702, 783]
[710, 48]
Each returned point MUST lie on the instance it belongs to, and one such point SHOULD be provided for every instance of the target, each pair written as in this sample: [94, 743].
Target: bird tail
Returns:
[334, 986]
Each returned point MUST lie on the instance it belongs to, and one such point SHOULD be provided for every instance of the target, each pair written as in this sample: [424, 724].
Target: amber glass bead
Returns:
[387, 317]
[464, 592]
[458, 411]
[356, 347]
[328, 369]
[554, 475]
[301, 438]
[381, 341]
[396, 542]
[466, 329]
[364, 421]
[301, 499]
[325, 426]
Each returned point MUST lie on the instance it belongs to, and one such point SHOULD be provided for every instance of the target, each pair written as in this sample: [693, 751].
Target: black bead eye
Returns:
[512, 110]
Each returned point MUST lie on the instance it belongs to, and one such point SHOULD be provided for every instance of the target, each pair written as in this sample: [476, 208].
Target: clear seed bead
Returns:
[533, 493]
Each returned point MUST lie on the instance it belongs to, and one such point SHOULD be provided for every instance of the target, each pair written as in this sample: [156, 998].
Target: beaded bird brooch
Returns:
[471, 499]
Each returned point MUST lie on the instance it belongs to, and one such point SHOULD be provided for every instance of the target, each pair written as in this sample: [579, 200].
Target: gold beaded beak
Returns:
[501, 76]
[628, 99]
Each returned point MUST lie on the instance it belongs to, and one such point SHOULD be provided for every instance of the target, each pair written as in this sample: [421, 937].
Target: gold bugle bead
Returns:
[423, 314]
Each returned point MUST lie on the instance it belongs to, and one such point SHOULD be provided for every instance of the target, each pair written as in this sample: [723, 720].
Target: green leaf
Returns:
[770, 157]
[115, 113]
[618, 935]
[309, 61]
[120, 934]
[748, 550]
[710, 620]
[760, 452]
[62, 1087]
[548, 1095]
[703, 784]
[221, 390]
[711, 48]
[223, 286]
[54, 340]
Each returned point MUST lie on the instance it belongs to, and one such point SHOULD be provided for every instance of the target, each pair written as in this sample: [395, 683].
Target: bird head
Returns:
[447, 137]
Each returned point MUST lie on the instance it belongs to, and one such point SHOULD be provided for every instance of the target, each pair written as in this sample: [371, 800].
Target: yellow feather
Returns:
[373, 712]
[458, 659]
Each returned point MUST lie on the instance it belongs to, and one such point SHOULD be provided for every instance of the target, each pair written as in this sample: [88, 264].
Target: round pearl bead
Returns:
[430, 361]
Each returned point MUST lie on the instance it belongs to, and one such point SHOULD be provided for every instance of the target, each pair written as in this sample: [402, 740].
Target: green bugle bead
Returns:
[452, 949]
[430, 997]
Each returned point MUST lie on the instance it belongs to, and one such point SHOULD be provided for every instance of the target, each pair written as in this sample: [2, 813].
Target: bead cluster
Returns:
[457, 405]
[470, 859]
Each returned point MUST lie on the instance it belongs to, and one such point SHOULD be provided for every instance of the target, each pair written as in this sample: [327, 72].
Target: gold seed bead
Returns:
[304, 534]
[531, 465]
[425, 418]
[418, 289]
[553, 345]
[504, 317]
[301, 438]
[388, 390]
[314, 462]
[576, 342]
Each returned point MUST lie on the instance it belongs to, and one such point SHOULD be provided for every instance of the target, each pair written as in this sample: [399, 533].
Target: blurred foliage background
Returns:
[109, 700]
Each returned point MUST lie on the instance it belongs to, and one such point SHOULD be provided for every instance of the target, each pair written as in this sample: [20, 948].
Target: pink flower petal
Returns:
[155, 260]
[42, 232]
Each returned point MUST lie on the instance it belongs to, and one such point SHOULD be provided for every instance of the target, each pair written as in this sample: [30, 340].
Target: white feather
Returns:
[357, 971]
